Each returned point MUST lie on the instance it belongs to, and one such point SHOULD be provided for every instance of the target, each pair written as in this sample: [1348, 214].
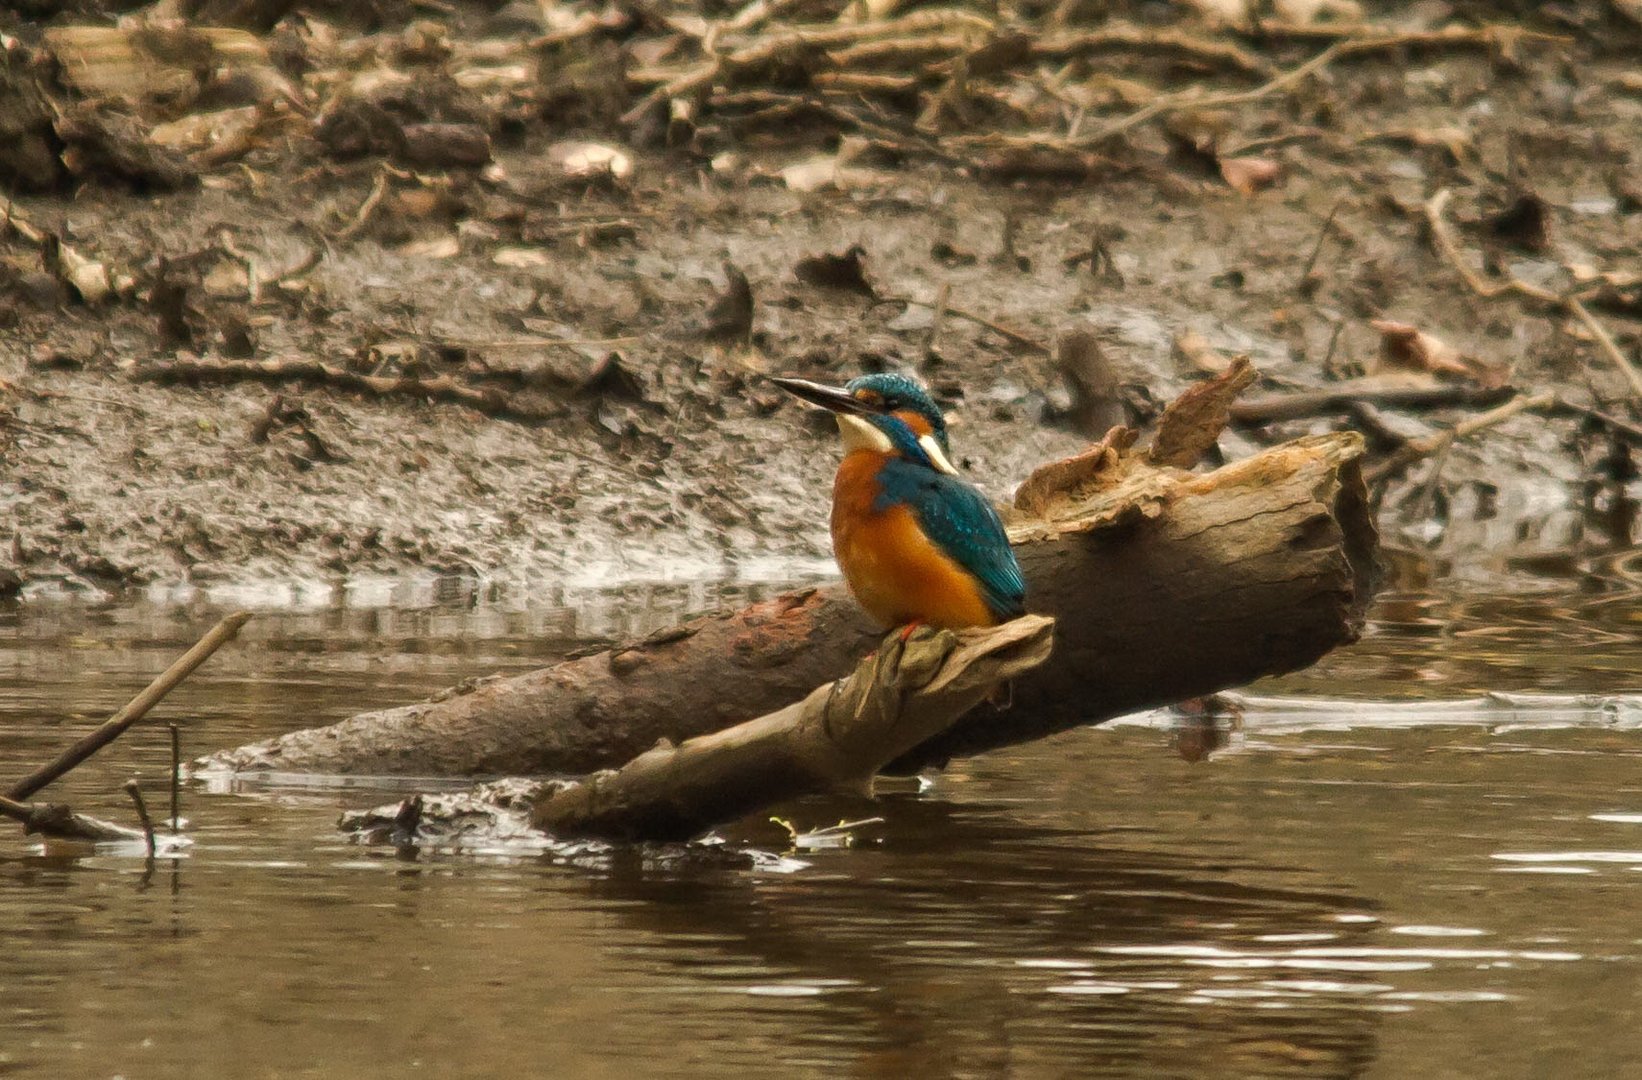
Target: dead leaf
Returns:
[1249, 175]
[1223, 12]
[611, 377]
[1525, 223]
[520, 258]
[1310, 11]
[1619, 291]
[227, 281]
[1092, 382]
[157, 59]
[439, 146]
[197, 131]
[1192, 422]
[1405, 347]
[867, 11]
[731, 316]
[833, 170]
[844, 270]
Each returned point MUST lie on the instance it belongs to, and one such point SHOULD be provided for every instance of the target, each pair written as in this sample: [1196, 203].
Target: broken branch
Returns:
[1360, 392]
[838, 737]
[1258, 567]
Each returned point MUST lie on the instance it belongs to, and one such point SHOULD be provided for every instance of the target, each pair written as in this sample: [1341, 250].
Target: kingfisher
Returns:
[915, 541]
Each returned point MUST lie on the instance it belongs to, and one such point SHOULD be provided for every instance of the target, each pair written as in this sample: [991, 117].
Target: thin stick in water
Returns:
[136, 792]
[176, 777]
[138, 707]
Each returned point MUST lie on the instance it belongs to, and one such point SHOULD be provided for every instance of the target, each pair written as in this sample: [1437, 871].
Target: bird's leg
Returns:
[906, 633]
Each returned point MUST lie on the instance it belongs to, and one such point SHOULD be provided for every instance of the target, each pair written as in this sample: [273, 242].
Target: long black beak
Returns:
[828, 397]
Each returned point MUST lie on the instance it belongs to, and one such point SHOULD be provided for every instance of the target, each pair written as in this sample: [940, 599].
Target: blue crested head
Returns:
[892, 393]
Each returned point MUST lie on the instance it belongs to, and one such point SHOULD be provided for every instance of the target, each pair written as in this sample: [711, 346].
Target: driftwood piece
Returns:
[838, 737]
[59, 822]
[1164, 585]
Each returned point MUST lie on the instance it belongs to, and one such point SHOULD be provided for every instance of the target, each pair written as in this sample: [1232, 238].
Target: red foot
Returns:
[907, 630]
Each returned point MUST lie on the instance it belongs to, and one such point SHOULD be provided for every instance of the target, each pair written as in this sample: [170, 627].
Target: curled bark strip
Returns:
[1193, 421]
[839, 736]
[1256, 568]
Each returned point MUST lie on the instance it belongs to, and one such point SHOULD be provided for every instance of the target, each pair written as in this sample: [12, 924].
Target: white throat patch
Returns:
[861, 434]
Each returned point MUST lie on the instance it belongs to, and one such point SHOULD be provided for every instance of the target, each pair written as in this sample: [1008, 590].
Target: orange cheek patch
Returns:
[920, 426]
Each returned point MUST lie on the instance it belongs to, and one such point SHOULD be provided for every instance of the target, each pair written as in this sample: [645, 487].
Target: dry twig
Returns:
[1416, 449]
[490, 400]
[1442, 236]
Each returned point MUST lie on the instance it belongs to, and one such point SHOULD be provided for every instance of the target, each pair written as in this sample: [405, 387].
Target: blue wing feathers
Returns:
[959, 520]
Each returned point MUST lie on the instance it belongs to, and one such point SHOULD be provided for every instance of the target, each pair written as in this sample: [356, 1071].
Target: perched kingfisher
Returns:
[916, 543]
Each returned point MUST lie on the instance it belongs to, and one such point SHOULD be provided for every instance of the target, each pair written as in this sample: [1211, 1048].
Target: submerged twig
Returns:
[176, 777]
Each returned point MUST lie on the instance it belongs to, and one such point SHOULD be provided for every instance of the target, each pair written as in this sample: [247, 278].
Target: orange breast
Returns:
[891, 567]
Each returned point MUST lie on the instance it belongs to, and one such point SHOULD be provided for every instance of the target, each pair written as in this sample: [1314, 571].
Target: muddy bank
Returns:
[603, 411]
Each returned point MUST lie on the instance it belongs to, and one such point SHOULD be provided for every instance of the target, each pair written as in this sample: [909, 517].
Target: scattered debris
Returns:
[591, 161]
[441, 205]
[844, 271]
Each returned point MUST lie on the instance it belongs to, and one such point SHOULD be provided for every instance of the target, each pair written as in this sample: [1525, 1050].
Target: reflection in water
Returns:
[1342, 889]
[968, 945]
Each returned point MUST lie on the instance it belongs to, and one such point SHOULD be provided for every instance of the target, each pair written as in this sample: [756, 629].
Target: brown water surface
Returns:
[1356, 886]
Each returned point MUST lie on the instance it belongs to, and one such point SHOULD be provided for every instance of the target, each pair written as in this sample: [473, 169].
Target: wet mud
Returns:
[455, 291]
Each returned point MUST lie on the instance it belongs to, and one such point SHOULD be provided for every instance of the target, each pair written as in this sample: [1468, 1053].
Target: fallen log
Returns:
[1164, 585]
